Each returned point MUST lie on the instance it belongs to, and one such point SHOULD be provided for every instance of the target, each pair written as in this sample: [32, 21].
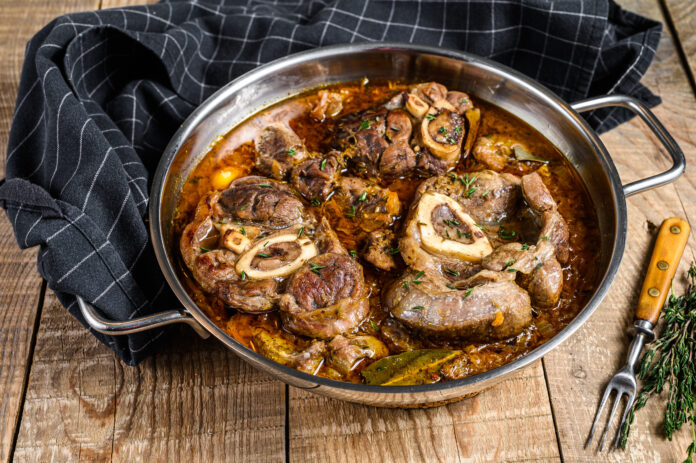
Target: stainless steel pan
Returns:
[559, 121]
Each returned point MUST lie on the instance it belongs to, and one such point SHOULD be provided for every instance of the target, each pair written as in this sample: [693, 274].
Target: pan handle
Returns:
[638, 108]
[136, 325]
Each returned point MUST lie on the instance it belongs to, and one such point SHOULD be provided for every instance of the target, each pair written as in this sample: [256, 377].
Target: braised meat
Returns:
[381, 249]
[315, 178]
[490, 311]
[326, 297]
[347, 352]
[259, 235]
[553, 227]
[424, 131]
[278, 150]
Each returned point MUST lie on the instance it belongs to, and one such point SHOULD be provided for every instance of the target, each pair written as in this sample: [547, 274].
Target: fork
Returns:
[666, 255]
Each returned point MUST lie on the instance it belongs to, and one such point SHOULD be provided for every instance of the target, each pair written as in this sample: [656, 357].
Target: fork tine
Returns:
[617, 400]
[607, 391]
[629, 404]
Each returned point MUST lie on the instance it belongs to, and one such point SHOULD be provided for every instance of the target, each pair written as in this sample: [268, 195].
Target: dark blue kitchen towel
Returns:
[101, 93]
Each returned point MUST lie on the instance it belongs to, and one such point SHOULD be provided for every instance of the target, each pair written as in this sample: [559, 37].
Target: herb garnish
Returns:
[291, 151]
[315, 267]
[243, 275]
[525, 246]
[506, 234]
[364, 124]
[264, 255]
[362, 197]
[471, 191]
[353, 253]
[451, 286]
[374, 327]
[243, 207]
[299, 233]
[351, 212]
[669, 361]
[468, 293]
[545, 238]
[242, 230]
[417, 307]
[442, 129]
[322, 164]
[430, 117]
[452, 272]
[393, 251]
[265, 185]
[316, 202]
[205, 249]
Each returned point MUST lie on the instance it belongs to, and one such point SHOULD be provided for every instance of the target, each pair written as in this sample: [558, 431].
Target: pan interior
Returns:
[490, 82]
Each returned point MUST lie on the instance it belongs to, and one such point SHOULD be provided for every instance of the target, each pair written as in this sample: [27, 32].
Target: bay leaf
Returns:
[522, 154]
[408, 368]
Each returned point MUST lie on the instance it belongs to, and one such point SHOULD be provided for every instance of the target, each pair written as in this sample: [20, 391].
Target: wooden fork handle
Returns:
[666, 255]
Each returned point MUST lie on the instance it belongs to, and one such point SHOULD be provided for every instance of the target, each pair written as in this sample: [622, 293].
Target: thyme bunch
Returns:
[671, 361]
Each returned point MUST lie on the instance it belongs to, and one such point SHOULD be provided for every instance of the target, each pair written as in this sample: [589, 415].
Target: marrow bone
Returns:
[436, 243]
[306, 248]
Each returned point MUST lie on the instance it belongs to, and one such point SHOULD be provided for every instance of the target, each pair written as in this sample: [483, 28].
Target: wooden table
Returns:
[65, 397]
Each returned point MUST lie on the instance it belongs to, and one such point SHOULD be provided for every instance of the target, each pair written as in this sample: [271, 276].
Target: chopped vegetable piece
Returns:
[409, 368]
[322, 164]
[205, 249]
[264, 255]
[522, 154]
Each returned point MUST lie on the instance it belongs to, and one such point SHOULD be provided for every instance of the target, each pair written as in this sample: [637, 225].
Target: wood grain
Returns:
[497, 425]
[578, 371]
[683, 15]
[195, 402]
[20, 289]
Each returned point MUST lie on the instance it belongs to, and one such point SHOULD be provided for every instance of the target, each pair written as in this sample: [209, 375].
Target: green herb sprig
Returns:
[670, 364]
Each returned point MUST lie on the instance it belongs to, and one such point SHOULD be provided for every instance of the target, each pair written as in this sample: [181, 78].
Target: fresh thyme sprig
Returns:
[670, 362]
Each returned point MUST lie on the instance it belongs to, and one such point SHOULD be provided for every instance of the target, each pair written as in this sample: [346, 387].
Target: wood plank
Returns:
[497, 425]
[683, 16]
[118, 3]
[194, 402]
[19, 292]
[578, 371]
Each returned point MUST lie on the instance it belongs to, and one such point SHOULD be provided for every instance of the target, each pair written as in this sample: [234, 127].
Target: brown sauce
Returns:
[236, 150]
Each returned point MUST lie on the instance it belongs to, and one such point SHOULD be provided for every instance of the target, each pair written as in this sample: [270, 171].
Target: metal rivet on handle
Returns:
[662, 265]
[675, 229]
[654, 292]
